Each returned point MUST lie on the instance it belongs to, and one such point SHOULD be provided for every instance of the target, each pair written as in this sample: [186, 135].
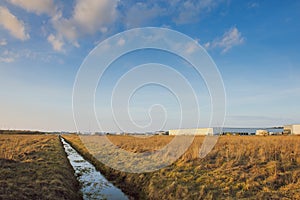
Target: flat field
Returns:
[35, 167]
[238, 167]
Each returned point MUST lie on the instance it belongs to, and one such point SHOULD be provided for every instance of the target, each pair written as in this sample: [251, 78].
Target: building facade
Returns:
[195, 131]
[261, 132]
[293, 129]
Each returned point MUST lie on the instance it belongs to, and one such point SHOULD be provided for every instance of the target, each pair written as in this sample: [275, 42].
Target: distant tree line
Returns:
[21, 132]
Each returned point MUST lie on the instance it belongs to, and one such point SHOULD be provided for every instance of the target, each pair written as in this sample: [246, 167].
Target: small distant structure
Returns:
[161, 133]
[195, 131]
[100, 133]
[275, 133]
[235, 133]
[64, 132]
[293, 129]
[262, 132]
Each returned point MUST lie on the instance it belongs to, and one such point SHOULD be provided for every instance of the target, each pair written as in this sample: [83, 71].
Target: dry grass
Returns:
[239, 167]
[138, 144]
[35, 167]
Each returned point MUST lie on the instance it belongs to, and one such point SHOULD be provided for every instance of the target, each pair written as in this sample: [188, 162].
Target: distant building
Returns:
[196, 131]
[262, 132]
[293, 129]
[161, 133]
[275, 133]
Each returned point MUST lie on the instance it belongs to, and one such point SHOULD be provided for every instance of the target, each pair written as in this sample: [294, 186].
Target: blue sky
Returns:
[255, 45]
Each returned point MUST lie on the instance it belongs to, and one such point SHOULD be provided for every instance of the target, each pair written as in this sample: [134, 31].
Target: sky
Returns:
[254, 44]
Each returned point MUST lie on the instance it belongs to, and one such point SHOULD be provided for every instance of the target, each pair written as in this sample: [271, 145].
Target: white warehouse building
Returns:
[261, 132]
[293, 129]
[195, 131]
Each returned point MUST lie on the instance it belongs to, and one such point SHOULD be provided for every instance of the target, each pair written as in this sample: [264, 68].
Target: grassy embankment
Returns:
[238, 167]
[35, 167]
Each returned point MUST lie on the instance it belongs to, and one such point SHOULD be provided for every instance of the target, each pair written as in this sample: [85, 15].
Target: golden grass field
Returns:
[35, 167]
[239, 167]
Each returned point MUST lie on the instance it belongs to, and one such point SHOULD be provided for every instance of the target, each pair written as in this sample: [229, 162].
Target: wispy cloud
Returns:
[179, 11]
[121, 42]
[38, 7]
[232, 37]
[253, 5]
[252, 117]
[190, 10]
[146, 12]
[56, 43]
[6, 59]
[256, 121]
[8, 56]
[191, 47]
[3, 42]
[11, 23]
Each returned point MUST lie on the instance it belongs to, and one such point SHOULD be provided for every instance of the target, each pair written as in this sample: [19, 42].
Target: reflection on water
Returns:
[93, 184]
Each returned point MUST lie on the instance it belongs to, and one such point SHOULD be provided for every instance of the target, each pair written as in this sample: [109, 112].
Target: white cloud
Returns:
[7, 59]
[191, 47]
[141, 14]
[253, 5]
[121, 42]
[3, 42]
[56, 43]
[11, 23]
[232, 37]
[189, 11]
[8, 56]
[207, 45]
[145, 13]
[88, 17]
[91, 15]
[36, 6]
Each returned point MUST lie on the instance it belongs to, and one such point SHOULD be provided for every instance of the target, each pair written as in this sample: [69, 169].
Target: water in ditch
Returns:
[93, 184]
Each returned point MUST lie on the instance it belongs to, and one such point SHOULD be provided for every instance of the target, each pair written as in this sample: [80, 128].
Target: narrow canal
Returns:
[93, 184]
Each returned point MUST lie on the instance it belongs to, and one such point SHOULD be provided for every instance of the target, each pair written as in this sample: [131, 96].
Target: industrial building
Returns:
[195, 131]
[293, 129]
[261, 132]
